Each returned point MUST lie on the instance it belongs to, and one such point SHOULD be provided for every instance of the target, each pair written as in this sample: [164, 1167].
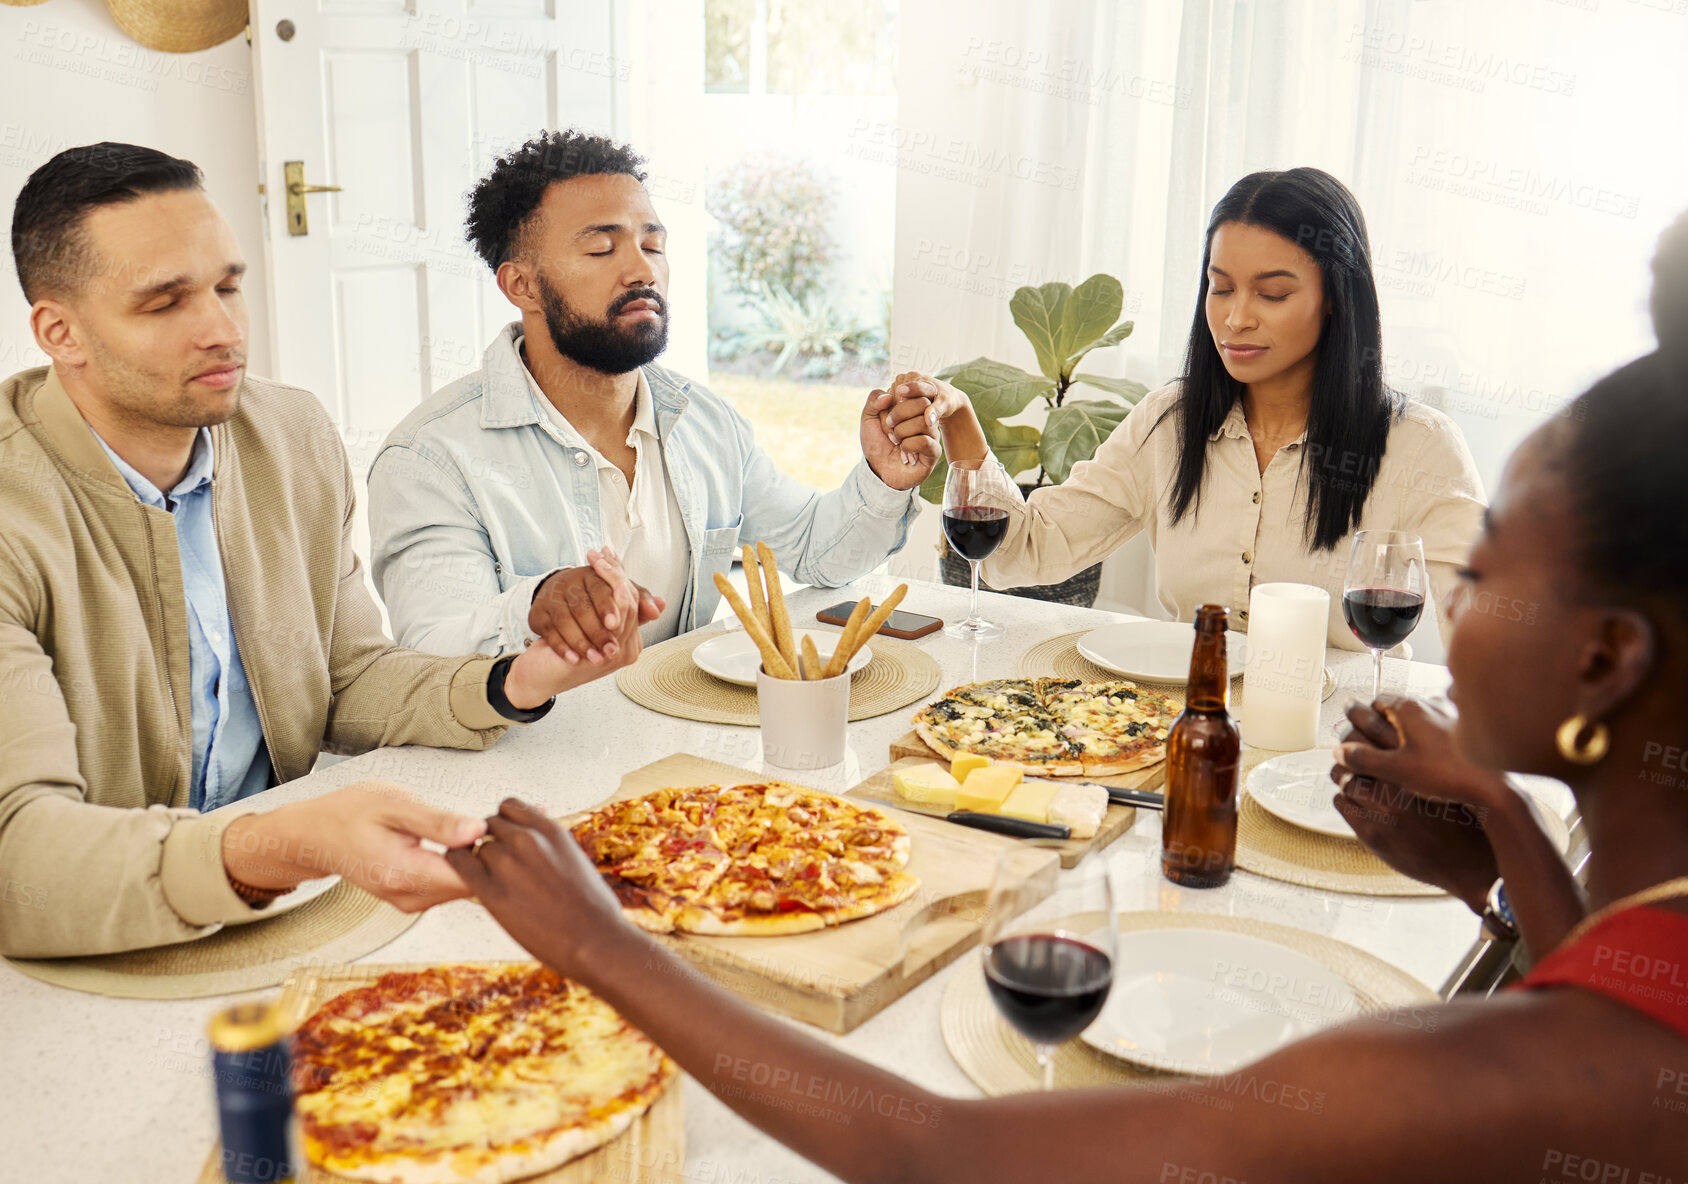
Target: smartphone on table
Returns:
[907, 626]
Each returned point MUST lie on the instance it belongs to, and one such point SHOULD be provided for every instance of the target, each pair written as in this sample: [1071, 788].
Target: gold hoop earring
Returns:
[1578, 750]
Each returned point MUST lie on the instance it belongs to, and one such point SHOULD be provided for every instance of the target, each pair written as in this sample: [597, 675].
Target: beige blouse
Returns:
[1248, 525]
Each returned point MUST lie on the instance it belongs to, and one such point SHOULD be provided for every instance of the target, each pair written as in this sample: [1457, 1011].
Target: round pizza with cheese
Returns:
[747, 860]
[1055, 727]
[468, 1073]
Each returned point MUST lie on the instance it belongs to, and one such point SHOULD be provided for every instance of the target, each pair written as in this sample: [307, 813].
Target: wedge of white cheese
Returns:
[1081, 807]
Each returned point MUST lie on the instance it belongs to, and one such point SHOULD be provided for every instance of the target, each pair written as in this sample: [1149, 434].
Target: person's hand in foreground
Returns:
[1425, 810]
[370, 833]
[1412, 801]
[534, 879]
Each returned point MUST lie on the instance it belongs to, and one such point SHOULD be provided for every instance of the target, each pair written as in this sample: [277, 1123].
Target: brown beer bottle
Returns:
[1199, 827]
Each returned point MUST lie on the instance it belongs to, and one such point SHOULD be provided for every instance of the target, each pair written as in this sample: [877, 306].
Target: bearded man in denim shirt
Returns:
[489, 503]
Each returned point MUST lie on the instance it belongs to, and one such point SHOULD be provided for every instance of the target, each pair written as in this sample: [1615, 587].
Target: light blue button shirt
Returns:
[477, 496]
[230, 760]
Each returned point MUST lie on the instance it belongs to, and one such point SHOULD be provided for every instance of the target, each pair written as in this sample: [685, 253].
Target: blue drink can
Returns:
[251, 1063]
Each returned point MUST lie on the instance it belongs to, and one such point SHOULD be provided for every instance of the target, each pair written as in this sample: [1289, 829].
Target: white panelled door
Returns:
[403, 104]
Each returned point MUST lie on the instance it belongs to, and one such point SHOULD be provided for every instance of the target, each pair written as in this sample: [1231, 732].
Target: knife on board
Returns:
[1148, 799]
[1001, 824]
[1019, 828]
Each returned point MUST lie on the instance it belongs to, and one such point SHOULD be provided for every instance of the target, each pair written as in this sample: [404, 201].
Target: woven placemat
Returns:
[1269, 846]
[1059, 657]
[666, 679]
[340, 925]
[1001, 1061]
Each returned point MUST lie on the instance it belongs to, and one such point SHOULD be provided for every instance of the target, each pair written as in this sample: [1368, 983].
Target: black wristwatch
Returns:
[1498, 921]
[501, 704]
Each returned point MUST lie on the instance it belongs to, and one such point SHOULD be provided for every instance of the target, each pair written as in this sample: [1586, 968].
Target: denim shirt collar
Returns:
[201, 466]
[507, 399]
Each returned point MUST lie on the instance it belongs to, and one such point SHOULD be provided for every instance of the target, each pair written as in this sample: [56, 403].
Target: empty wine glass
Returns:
[1383, 592]
[977, 499]
[1049, 975]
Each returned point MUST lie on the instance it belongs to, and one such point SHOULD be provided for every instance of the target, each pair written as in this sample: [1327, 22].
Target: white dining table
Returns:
[100, 1090]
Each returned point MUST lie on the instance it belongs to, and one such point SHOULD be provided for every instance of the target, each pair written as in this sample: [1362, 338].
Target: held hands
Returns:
[587, 619]
[944, 398]
[900, 430]
[917, 403]
[537, 883]
[369, 833]
[1413, 800]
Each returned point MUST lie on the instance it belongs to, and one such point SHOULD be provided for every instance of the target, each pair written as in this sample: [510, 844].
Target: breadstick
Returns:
[846, 640]
[779, 618]
[879, 617]
[811, 658]
[772, 660]
[753, 577]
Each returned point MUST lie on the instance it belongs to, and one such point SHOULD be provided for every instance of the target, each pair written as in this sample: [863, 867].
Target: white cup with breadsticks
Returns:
[803, 697]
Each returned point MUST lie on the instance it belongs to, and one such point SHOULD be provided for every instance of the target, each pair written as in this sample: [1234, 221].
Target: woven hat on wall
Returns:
[179, 26]
[22, 3]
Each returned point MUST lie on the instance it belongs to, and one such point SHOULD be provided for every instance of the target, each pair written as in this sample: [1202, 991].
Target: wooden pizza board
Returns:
[1152, 777]
[880, 788]
[651, 1151]
[838, 977]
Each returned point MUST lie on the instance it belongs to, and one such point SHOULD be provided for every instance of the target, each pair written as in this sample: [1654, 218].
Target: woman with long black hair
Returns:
[1280, 440]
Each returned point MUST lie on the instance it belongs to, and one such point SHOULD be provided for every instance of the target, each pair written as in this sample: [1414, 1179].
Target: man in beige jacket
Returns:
[183, 621]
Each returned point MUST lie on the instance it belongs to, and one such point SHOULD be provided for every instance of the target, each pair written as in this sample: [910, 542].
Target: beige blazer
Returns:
[98, 850]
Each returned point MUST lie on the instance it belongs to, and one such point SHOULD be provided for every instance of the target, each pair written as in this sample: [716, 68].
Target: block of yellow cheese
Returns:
[966, 763]
[930, 783]
[986, 789]
[1030, 800]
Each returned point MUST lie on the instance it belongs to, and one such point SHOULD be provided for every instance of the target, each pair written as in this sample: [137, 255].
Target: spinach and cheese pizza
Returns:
[1054, 727]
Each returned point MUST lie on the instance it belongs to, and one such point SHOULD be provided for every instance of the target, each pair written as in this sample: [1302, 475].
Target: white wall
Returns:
[665, 121]
[73, 77]
[1508, 156]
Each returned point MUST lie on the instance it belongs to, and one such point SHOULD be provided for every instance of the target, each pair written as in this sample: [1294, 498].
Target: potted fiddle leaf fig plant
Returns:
[1064, 324]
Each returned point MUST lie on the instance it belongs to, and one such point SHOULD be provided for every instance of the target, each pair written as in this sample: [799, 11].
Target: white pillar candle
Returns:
[1285, 675]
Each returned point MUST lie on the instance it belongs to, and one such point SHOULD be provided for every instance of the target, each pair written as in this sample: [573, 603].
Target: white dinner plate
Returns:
[1157, 651]
[734, 658]
[1297, 788]
[1205, 1001]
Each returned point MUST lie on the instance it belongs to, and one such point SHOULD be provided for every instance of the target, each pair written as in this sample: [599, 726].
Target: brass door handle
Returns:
[293, 174]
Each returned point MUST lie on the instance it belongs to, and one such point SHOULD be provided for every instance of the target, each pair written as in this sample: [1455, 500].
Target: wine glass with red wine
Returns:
[977, 499]
[1383, 592]
[1049, 973]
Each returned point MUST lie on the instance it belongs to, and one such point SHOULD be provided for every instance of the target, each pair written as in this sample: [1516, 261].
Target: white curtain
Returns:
[1516, 160]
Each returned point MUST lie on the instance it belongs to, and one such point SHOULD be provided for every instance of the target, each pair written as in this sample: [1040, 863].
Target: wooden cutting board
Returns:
[840, 976]
[880, 788]
[1152, 777]
[650, 1151]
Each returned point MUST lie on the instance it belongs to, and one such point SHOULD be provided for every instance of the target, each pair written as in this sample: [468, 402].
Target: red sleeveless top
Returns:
[1638, 957]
